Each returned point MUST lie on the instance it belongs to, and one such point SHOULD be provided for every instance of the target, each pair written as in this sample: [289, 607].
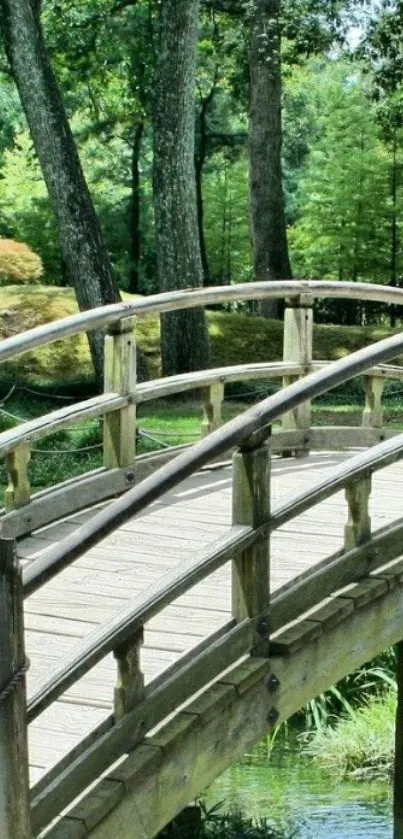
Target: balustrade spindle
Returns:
[18, 491]
[372, 415]
[358, 527]
[213, 397]
[120, 377]
[130, 684]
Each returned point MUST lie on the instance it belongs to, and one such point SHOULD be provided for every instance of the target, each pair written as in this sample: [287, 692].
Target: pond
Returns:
[294, 792]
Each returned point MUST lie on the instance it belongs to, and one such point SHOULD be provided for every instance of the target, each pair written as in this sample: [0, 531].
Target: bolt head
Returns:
[263, 627]
[272, 716]
[273, 683]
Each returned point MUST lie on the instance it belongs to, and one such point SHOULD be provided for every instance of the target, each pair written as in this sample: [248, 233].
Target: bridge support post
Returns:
[14, 782]
[120, 377]
[18, 491]
[372, 415]
[297, 347]
[250, 586]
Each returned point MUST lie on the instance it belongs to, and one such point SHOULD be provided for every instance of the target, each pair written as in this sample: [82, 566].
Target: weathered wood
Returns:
[153, 776]
[123, 625]
[398, 763]
[63, 417]
[188, 299]
[372, 414]
[18, 491]
[120, 377]
[213, 397]
[297, 347]
[14, 782]
[129, 689]
[358, 527]
[160, 388]
[250, 585]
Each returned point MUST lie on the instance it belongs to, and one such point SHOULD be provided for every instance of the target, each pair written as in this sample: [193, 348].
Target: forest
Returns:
[148, 146]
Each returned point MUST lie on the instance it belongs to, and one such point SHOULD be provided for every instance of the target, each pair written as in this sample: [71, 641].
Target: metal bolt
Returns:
[272, 716]
[130, 476]
[273, 683]
[263, 627]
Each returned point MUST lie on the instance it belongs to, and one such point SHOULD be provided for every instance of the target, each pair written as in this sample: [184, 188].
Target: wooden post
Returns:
[372, 415]
[120, 377]
[14, 777]
[358, 527]
[297, 346]
[18, 491]
[251, 506]
[398, 773]
[130, 685]
[213, 397]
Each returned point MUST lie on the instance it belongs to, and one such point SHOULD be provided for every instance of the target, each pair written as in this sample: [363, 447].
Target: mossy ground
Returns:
[235, 338]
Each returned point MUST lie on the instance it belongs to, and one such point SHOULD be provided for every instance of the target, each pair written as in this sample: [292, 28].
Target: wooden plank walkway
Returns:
[124, 564]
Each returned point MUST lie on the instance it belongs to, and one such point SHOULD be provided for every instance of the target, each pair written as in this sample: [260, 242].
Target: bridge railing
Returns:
[118, 404]
[256, 615]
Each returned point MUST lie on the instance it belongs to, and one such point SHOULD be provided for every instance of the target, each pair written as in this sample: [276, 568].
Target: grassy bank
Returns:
[361, 745]
[235, 338]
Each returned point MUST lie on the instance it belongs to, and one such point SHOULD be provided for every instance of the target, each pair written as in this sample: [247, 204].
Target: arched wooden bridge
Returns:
[228, 595]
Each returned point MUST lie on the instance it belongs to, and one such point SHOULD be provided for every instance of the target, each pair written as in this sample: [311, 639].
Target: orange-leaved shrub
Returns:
[18, 263]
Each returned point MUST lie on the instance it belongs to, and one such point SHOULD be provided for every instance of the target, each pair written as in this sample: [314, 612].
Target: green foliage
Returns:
[342, 231]
[214, 823]
[361, 745]
[18, 263]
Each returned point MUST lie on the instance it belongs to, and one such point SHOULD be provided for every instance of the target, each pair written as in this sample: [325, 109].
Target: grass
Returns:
[235, 338]
[201, 823]
[361, 745]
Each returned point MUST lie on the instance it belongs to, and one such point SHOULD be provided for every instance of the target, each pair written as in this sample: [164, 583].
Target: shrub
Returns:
[18, 263]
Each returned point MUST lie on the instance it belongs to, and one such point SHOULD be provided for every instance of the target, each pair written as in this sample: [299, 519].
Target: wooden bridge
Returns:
[178, 607]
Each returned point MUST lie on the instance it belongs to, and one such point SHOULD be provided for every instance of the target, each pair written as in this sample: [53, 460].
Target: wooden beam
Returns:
[18, 492]
[297, 348]
[398, 764]
[120, 377]
[163, 775]
[14, 782]
[250, 584]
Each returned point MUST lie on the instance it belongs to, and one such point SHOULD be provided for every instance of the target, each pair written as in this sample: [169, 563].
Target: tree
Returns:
[82, 244]
[343, 203]
[267, 206]
[184, 340]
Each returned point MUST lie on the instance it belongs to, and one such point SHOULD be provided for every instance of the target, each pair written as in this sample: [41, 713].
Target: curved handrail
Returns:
[189, 299]
[233, 433]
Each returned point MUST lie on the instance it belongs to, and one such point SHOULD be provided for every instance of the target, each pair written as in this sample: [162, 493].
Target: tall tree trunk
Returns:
[84, 252]
[267, 205]
[184, 339]
[135, 214]
[394, 231]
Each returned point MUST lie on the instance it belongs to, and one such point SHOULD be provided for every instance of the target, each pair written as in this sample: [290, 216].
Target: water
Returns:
[295, 793]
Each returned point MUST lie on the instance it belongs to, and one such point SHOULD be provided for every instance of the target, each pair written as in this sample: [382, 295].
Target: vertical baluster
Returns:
[213, 397]
[251, 506]
[358, 527]
[130, 683]
[297, 347]
[14, 782]
[372, 415]
[18, 491]
[120, 377]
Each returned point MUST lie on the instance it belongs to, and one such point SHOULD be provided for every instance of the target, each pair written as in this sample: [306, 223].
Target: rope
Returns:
[15, 680]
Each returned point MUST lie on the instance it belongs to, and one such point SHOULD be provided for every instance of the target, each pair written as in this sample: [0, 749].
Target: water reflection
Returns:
[292, 792]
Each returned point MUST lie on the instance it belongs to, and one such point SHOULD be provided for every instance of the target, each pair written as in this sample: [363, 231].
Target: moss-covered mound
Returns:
[235, 338]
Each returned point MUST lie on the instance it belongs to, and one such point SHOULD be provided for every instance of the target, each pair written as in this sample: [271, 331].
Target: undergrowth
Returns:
[362, 744]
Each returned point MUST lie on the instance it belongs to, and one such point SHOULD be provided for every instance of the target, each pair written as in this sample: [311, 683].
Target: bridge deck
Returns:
[99, 583]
